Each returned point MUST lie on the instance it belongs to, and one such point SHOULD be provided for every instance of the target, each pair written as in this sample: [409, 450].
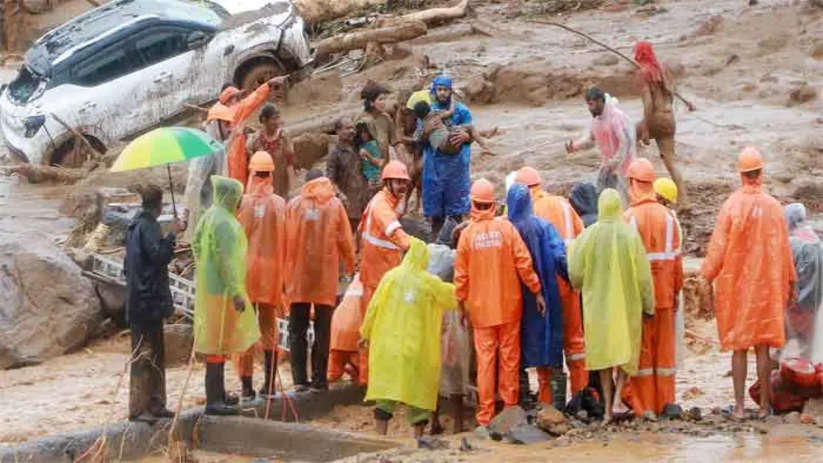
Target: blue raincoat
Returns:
[446, 177]
[541, 337]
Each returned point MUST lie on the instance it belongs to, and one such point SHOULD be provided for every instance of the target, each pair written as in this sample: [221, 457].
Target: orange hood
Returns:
[752, 186]
[319, 189]
[478, 215]
[640, 192]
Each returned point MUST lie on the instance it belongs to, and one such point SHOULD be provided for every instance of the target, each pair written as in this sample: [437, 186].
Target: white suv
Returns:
[129, 65]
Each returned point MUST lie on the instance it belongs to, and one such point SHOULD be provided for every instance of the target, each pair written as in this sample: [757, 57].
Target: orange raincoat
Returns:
[653, 384]
[490, 257]
[319, 236]
[750, 261]
[238, 162]
[560, 213]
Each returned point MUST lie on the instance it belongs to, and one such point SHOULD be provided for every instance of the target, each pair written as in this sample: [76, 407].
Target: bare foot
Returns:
[739, 414]
[764, 413]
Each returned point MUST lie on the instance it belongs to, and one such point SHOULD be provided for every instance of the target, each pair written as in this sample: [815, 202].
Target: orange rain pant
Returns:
[573, 343]
[267, 319]
[654, 382]
[338, 360]
[502, 343]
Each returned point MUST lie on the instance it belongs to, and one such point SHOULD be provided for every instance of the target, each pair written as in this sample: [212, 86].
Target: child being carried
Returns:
[437, 129]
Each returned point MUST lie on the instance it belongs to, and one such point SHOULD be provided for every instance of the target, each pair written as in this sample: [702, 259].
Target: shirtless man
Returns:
[657, 89]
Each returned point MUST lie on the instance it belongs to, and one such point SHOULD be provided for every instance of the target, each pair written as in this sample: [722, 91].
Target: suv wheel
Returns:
[258, 72]
[72, 154]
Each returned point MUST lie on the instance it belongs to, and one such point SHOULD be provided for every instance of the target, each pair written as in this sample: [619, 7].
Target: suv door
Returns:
[176, 73]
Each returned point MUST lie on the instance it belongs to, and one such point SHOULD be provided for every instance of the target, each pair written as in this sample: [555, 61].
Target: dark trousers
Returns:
[147, 383]
[298, 345]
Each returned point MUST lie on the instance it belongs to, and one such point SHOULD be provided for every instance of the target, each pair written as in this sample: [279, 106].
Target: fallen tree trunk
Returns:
[36, 173]
[431, 16]
[317, 11]
[358, 40]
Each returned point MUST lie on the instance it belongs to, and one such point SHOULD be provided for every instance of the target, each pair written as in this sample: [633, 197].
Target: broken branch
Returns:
[618, 53]
[77, 134]
[36, 173]
[434, 15]
[357, 40]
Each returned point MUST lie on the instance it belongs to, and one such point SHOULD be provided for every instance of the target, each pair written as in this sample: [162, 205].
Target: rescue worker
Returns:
[653, 383]
[262, 214]
[613, 134]
[149, 301]
[560, 213]
[608, 263]
[273, 140]
[402, 331]
[224, 323]
[344, 356]
[446, 177]
[542, 333]
[804, 332]
[583, 198]
[382, 238]
[491, 261]
[657, 87]
[750, 261]
[343, 169]
[319, 238]
[666, 191]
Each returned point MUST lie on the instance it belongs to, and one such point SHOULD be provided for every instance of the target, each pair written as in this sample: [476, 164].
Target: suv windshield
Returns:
[25, 86]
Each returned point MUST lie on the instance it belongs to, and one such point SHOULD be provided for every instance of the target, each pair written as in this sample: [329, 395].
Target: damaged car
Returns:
[130, 65]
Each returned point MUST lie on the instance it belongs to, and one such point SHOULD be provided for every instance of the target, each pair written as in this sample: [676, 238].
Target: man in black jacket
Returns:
[149, 301]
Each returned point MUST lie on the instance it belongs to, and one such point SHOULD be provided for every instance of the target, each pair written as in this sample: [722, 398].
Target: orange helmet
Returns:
[641, 169]
[261, 162]
[749, 160]
[220, 112]
[482, 191]
[395, 170]
[528, 176]
[227, 94]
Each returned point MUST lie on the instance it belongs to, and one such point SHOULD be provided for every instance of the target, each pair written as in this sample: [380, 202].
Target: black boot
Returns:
[229, 399]
[215, 404]
[248, 389]
[268, 367]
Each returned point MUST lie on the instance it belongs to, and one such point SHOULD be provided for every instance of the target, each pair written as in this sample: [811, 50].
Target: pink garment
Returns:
[606, 128]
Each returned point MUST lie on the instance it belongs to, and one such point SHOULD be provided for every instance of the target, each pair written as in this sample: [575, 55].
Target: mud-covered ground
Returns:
[749, 71]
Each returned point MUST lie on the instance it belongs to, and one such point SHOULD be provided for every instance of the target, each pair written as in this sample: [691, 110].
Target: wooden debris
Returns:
[36, 173]
[357, 40]
[432, 16]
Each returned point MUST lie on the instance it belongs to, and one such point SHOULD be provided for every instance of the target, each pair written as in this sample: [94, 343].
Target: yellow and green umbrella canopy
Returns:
[164, 146]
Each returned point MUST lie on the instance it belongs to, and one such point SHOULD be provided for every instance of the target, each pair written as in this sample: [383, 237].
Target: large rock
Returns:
[178, 339]
[49, 308]
[552, 421]
[507, 420]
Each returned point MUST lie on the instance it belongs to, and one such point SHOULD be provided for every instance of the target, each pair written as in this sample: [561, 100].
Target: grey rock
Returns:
[527, 434]
[508, 420]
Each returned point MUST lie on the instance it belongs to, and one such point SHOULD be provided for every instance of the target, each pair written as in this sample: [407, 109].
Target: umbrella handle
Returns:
[171, 188]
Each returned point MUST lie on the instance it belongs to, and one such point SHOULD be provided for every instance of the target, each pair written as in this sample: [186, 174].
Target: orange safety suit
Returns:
[238, 162]
[345, 332]
[262, 215]
[750, 261]
[653, 384]
[560, 213]
[319, 237]
[383, 242]
[490, 257]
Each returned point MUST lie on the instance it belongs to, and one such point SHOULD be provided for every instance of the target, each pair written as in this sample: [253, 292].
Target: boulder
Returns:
[507, 420]
[552, 421]
[49, 307]
[178, 339]
[526, 434]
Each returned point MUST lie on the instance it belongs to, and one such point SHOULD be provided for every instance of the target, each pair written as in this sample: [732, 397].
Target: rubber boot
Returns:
[269, 365]
[525, 393]
[228, 399]
[248, 389]
[215, 391]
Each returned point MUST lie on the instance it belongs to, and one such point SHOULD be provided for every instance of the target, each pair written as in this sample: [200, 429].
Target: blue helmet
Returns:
[441, 81]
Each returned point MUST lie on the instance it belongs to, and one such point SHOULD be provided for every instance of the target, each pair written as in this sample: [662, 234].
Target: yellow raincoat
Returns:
[219, 249]
[403, 325]
[608, 263]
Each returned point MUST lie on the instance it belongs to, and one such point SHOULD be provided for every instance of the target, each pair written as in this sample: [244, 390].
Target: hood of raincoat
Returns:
[752, 185]
[641, 192]
[609, 206]
[227, 192]
[583, 198]
[417, 257]
[479, 214]
[319, 189]
[519, 203]
[260, 186]
[795, 215]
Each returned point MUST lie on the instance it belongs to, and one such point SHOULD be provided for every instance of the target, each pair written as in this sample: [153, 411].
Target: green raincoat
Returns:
[403, 325]
[219, 249]
[608, 263]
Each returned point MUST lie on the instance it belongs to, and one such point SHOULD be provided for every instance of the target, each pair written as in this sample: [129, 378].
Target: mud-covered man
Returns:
[657, 87]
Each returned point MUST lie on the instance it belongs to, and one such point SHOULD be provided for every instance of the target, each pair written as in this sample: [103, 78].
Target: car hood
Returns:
[235, 7]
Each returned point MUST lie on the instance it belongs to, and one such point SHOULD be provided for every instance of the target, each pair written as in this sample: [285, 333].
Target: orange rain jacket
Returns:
[318, 237]
[383, 239]
[262, 215]
[750, 261]
[238, 162]
[558, 211]
[490, 257]
[658, 230]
